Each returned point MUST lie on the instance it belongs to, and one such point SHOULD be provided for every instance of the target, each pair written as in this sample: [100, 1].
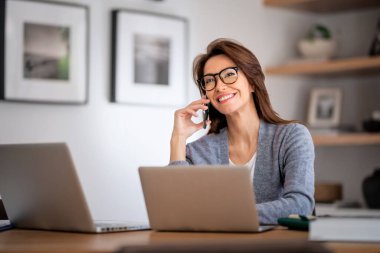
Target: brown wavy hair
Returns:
[247, 62]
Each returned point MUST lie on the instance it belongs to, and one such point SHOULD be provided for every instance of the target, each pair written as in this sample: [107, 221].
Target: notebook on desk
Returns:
[200, 198]
[40, 189]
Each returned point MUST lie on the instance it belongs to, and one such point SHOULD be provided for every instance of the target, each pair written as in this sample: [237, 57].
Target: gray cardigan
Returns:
[284, 172]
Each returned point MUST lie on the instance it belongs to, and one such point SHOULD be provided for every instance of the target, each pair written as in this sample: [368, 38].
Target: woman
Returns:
[245, 130]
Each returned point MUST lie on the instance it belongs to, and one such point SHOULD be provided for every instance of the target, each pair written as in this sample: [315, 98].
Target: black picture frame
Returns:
[148, 58]
[44, 52]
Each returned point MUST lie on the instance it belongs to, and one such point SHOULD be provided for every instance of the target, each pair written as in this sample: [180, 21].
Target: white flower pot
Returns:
[318, 48]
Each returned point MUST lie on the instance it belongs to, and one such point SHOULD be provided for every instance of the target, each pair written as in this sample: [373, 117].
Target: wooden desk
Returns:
[18, 240]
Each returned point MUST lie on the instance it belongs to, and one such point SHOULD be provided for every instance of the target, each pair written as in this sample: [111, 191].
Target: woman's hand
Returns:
[184, 127]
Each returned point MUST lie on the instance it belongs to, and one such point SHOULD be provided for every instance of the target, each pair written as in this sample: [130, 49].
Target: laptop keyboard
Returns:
[117, 226]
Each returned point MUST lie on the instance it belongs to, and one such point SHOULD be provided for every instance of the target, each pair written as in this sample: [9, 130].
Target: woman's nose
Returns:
[219, 85]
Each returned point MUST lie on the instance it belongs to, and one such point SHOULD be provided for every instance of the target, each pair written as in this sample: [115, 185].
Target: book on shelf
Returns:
[348, 228]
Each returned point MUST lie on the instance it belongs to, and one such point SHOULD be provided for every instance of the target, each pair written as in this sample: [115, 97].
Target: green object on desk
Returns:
[301, 223]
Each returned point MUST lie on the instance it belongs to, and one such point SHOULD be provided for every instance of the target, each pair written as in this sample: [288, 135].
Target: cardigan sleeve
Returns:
[186, 162]
[209, 149]
[297, 172]
[179, 163]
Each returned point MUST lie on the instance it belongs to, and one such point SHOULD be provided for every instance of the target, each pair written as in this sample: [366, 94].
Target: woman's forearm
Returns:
[177, 148]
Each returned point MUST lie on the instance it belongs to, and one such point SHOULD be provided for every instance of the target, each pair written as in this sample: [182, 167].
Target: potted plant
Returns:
[318, 43]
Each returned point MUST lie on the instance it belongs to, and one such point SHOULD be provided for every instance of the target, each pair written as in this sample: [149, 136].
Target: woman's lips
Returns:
[224, 98]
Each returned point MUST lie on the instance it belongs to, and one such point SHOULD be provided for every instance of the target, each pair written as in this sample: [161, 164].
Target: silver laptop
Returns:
[41, 190]
[200, 198]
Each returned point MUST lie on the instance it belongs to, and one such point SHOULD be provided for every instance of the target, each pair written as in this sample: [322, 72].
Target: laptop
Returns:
[40, 189]
[200, 198]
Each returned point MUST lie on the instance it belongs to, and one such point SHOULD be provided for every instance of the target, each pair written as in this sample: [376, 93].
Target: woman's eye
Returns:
[209, 80]
[230, 74]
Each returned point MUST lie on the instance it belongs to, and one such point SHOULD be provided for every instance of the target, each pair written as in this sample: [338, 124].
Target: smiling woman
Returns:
[245, 130]
[251, 70]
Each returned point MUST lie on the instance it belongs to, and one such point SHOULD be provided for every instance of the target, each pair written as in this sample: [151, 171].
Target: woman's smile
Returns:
[224, 98]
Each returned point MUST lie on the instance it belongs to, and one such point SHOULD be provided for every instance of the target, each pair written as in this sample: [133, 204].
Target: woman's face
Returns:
[228, 98]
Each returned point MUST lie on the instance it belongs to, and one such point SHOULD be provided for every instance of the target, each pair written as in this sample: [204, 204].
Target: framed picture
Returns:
[148, 58]
[325, 107]
[44, 52]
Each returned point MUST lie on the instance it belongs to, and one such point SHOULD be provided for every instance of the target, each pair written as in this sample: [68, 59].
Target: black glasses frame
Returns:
[201, 83]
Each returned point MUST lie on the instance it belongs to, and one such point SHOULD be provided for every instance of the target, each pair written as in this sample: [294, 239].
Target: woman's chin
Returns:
[227, 111]
[228, 108]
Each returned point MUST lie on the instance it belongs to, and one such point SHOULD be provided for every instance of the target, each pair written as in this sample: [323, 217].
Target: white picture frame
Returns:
[45, 52]
[148, 58]
[325, 106]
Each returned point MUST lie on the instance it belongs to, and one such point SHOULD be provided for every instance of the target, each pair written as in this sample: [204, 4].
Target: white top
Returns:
[250, 164]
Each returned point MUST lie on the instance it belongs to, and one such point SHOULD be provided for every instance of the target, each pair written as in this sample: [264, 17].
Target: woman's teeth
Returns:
[221, 99]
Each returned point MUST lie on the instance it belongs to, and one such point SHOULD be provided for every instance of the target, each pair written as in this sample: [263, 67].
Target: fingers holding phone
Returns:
[184, 127]
[183, 123]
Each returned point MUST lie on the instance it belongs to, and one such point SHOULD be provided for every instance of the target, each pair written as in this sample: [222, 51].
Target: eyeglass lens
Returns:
[228, 76]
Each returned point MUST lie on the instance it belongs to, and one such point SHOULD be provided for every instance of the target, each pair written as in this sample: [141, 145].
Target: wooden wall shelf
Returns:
[349, 65]
[347, 139]
[323, 6]
[359, 65]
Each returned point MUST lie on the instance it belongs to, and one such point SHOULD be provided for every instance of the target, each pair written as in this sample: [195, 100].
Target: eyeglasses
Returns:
[228, 76]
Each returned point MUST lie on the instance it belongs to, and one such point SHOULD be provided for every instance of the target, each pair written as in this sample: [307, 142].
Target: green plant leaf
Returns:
[318, 31]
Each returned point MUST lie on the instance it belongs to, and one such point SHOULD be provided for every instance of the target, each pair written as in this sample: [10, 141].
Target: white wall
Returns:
[109, 141]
